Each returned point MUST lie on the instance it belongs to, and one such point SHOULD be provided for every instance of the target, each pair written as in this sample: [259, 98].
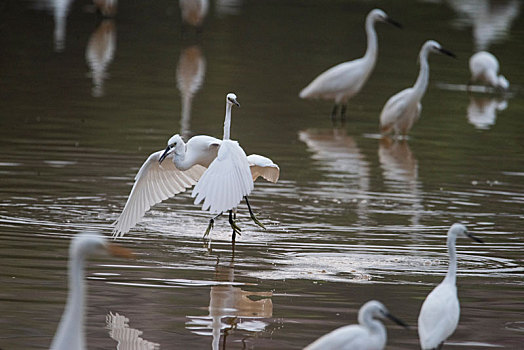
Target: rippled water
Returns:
[353, 217]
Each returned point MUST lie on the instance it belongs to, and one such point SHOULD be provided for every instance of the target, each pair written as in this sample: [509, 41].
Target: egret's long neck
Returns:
[375, 326]
[451, 276]
[181, 161]
[70, 332]
[423, 75]
[227, 121]
[372, 49]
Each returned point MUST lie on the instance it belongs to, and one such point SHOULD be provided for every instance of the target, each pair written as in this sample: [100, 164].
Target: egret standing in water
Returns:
[343, 81]
[70, 334]
[369, 334]
[402, 109]
[440, 312]
[484, 67]
[171, 171]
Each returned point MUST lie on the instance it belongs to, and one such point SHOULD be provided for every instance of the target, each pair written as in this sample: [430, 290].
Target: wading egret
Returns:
[343, 81]
[70, 334]
[403, 109]
[173, 170]
[440, 311]
[484, 67]
[369, 334]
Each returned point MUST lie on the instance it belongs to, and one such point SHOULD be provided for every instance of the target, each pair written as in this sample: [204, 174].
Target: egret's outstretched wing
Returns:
[154, 183]
[226, 181]
[263, 166]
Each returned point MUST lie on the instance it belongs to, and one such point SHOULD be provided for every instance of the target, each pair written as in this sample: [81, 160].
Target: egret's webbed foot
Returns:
[253, 217]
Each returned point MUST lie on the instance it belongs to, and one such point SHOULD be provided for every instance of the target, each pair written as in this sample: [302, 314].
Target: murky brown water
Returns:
[84, 101]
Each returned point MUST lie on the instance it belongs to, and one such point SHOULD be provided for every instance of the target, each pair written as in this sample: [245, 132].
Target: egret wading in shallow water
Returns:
[484, 67]
[402, 109]
[173, 170]
[70, 334]
[369, 334]
[343, 81]
[440, 312]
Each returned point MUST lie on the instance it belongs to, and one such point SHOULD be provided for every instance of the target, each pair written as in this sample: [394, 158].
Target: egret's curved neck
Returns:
[181, 161]
[451, 275]
[423, 75]
[372, 49]
[71, 329]
[227, 121]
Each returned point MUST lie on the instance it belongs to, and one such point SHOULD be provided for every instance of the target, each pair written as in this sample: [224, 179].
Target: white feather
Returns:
[263, 166]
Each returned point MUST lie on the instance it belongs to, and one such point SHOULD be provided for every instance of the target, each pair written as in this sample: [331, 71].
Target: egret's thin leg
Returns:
[253, 217]
[334, 113]
[234, 226]
[343, 112]
[210, 226]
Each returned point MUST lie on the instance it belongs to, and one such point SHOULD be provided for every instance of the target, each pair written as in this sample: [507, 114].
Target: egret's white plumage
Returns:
[228, 179]
[343, 81]
[184, 165]
[484, 67]
[440, 312]
[402, 109]
[70, 334]
[369, 334]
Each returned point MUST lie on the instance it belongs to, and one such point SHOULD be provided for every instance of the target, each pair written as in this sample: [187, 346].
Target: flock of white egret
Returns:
[223, 176]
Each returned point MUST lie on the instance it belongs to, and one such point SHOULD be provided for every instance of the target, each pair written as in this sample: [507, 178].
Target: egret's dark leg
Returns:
[234, 226]
[210, 226]
[343, 113]
[334, 113]
[253, 217]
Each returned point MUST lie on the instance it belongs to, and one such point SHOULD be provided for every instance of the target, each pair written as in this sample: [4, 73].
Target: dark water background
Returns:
[85, 100]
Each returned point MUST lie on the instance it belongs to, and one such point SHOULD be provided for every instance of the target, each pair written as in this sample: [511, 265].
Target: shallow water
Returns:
[353, 217]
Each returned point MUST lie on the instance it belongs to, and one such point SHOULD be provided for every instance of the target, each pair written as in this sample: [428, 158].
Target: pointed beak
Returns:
[446, 52]
[235, 102]
[397, 320]
[164, 155]
[478, 240]
[395, 23]
[119, 251]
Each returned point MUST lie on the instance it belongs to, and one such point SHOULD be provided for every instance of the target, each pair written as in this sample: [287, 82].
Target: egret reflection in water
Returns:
[400, 172]
[231, 308]
[482, 110]
[100, 51]
[491, 19]
[128, 338]
[193, 11]
[340, 159]
[190, 74]
[59, 9]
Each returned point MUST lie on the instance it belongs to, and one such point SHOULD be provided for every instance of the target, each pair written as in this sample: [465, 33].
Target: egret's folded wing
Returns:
[154, 183]
[263, 166]
[226, 181]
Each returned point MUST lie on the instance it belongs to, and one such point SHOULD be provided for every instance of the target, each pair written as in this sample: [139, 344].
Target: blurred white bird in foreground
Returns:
[440, 312]
[70, 334]
[369, 334]
[484, 68]
[402, 109]
[158, 180]
[343, 81]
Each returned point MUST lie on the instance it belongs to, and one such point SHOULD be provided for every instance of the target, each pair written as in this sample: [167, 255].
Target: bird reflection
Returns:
[400, 171]
[342, 160]
[59, 9]
[482, 111]
[228, 7]
[190, 73]
[490, 19]
[193, 11]
[231, 308]
[99, 54]
[127, 338]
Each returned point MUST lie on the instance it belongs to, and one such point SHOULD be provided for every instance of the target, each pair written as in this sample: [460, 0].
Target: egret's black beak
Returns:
[446, 52]
[395, 23]
[165, 154]
[235, 102]
[396, 320]
[478, 240]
